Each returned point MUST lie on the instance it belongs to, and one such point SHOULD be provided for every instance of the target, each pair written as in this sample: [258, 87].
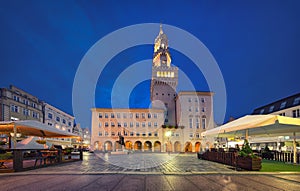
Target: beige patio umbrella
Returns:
[32, 128]
[259, 126]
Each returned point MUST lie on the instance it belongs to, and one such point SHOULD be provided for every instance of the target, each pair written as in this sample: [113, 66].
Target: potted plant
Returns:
[246, 159]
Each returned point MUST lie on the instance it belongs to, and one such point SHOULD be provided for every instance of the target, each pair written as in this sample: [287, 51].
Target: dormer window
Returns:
[271, 108]
[282, 105]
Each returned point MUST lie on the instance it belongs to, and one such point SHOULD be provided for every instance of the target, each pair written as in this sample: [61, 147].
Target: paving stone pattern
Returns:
[139, 162]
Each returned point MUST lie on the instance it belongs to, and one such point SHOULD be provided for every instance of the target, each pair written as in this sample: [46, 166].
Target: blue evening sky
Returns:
[255, 43]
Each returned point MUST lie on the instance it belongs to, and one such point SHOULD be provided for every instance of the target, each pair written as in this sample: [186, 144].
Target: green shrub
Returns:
[246, 150]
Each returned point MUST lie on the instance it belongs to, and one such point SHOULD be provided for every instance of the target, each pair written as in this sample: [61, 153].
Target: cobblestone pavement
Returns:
[149, 182]
[145, 171]
[138, 162]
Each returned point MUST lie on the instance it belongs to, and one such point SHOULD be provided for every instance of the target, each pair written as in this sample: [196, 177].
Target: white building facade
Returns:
[56, 118]
[195, 113]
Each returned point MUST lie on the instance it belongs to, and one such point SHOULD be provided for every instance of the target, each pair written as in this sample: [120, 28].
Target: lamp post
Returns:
[168, 134]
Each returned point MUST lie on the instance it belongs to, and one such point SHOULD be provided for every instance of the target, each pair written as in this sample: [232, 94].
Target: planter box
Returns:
[249, 163]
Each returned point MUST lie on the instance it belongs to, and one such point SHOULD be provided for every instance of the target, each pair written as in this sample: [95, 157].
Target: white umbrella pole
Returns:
[295, 148]
[247, 134]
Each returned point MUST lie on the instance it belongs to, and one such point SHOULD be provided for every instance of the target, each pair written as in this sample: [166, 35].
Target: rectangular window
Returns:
[70, 124]
[50, 116]
[125, 124]
[24, 100]
[143, 115]
[137, 124]
[36, 115]
[100, 134]
[155, 124]
[282, 114]
[144, 134]
[296, 101]
[15, 108]
[203, 109]
[296, 113]
[131, 134]
[50, 124]
[106, 115]
[125, 133]
[189, 100]
[143, 124]
[137, 115]
[191, 135]
[197, 123]
[33, 105]
[155, 115]
[149, 115]
[119, 124]
[100, 115]
[202, 100]
[271, 108]
[203, 123]
[131, 124]
[106, 133]
[149, 134]
[197, 135]
[25, 112]
[124, 115]
[191, 123]
[282, 105]
[113, 134]
[112, 115]
[57, 118]
[64, 121]
[112, 124]
[100, 124]
[137, 134]
[118, 115]
[16, 98]
[190, 109]
[149, 124]
[177, 135]
[197, 109]
[106, 124]
[131, 115]
[155, 134]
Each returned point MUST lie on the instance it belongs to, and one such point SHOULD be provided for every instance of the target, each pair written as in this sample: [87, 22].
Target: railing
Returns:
[229, 158]
[281, 156]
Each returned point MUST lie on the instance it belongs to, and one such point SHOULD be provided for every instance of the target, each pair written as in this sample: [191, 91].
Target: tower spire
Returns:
[160, 29]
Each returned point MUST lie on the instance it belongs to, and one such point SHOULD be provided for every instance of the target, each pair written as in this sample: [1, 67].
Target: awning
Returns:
[257, 125]
[33, 128]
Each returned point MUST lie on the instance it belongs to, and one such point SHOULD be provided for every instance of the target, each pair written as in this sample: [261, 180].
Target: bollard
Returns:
[81, 155]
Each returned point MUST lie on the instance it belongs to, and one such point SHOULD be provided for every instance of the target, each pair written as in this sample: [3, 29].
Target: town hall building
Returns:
[173, 124]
